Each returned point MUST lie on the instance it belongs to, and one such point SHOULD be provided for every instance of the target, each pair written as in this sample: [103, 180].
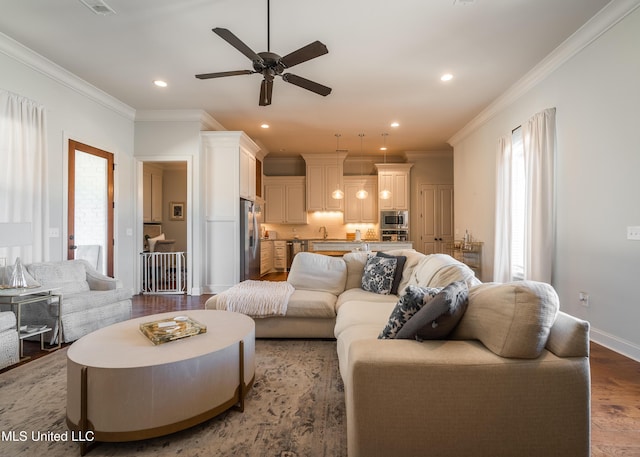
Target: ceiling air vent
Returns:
[98, 7]
[464, 2]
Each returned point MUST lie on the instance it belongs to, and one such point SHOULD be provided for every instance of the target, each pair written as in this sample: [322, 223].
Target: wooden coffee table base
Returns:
[131, 390]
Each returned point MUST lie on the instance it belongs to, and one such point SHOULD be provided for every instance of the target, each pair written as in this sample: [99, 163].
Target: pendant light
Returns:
[362, 193]
[385, 194]
[337, 194]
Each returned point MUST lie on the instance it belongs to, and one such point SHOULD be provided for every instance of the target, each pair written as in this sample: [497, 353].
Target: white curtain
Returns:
[502, 259]
[23, 176]
[539, 144]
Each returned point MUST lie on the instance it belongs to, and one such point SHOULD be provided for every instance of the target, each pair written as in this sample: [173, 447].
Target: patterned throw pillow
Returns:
[411, 301]
[378, 275]
[437, 319]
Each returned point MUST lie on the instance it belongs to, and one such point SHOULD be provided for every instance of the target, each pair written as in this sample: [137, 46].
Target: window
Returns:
[525, 207]
[518, 205]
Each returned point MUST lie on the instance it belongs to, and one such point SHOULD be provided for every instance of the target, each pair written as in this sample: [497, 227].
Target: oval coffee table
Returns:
[120, 387]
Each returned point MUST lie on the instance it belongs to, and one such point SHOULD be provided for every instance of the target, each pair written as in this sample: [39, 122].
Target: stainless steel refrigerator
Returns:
[250, 220]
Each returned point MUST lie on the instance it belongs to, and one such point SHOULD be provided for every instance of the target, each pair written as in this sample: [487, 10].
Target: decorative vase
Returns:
[18, 280]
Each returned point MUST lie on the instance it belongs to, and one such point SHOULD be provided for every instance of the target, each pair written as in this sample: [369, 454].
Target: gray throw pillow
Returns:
[397, 276]
[410, 302]
[437, 318]
[378, 275]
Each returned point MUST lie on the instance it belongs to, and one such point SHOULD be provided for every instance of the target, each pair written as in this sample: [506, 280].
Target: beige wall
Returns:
[597, 99]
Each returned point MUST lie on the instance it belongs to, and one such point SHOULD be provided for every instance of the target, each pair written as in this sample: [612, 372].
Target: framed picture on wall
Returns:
[176, 211]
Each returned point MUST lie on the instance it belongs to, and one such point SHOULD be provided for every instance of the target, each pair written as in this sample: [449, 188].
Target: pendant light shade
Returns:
[385, 194]
[362, 193]
[337, 194]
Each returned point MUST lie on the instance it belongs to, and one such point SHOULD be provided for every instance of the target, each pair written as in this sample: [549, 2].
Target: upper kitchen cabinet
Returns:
[360, 210]
[285, 200]
[247, 175]
[324, 175]
[152, 194]
[396, 178]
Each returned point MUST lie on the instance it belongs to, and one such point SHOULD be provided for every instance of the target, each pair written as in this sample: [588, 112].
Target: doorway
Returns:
[90, 206]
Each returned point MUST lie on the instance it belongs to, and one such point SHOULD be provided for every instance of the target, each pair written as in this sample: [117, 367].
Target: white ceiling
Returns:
[384, 63]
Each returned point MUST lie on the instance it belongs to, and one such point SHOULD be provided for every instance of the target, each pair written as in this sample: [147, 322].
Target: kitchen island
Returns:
[337, 248]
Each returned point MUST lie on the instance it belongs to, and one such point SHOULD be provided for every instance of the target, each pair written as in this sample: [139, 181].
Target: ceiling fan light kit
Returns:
[270, 65]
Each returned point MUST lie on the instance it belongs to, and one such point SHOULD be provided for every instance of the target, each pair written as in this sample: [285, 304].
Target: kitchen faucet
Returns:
[324, 230]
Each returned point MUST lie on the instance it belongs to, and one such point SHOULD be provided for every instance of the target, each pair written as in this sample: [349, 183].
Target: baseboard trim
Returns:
[619, 345]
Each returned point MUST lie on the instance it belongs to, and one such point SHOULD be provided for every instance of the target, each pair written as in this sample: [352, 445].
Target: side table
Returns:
[18, 298]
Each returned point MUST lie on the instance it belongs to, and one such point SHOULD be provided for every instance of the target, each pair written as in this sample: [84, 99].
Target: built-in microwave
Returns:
[397, 220]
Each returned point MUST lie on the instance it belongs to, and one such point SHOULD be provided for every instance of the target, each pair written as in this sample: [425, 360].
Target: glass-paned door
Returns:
[90, 206]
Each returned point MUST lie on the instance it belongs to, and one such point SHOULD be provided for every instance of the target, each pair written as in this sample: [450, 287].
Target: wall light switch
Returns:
[129, 232]
[633, 233]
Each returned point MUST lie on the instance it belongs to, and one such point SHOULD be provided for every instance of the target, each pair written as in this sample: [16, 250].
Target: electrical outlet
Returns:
[633, 233]
[583, 297]
[54, 232]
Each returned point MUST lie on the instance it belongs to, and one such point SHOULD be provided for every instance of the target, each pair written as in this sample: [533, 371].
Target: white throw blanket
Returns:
[256, 298]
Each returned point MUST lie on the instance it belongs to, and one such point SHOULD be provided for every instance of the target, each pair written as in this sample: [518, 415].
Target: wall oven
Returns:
[394, 220]
[395, 235]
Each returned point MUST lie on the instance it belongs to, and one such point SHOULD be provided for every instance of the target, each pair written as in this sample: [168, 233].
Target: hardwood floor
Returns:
[615, 383]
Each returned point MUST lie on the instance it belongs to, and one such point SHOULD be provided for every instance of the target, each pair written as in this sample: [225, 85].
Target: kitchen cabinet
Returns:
[220, 166]
[324, 175]
[247, 175]
[355, 209]
[266, 257]
[280, 255]
[152, 195]
[285, 200]
[395, 177]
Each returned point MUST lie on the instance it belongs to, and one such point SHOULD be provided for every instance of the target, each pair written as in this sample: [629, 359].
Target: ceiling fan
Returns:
[270, 65]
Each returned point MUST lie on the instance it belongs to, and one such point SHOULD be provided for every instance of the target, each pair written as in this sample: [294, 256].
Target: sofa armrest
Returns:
[98, 281]
[458, 398]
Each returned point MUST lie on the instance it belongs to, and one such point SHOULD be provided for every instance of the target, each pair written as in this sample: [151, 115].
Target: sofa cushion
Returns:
[82, 301]
[69, 275]
[378, 275]
[363, 295]
[311, 303]
[512, 319]
[357, 312]
[7, 321]
[355, 268]
[413, 259]
[411, 301]
[397, 276]
[439, 316]
[318, 272]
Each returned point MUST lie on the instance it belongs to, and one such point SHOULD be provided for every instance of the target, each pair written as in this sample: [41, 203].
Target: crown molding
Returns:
[35, 61]
[605, 19]
[207, 122]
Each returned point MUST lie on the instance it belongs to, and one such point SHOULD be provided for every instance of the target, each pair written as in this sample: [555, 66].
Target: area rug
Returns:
[295, 409]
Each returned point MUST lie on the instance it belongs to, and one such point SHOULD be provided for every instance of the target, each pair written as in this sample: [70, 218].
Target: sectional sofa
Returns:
[510, 378]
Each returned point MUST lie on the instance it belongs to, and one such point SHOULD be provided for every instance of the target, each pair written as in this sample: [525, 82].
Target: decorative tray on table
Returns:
[171, 329]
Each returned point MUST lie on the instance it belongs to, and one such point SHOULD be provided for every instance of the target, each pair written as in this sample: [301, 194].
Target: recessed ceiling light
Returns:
[395, 124]
[446, 77]
[264, 126]
[160, 83]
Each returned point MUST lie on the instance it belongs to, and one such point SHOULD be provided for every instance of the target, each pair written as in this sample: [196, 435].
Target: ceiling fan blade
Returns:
[266, 89]
[308, 52]
[222, 74]
[306, 84]
[234, 41]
